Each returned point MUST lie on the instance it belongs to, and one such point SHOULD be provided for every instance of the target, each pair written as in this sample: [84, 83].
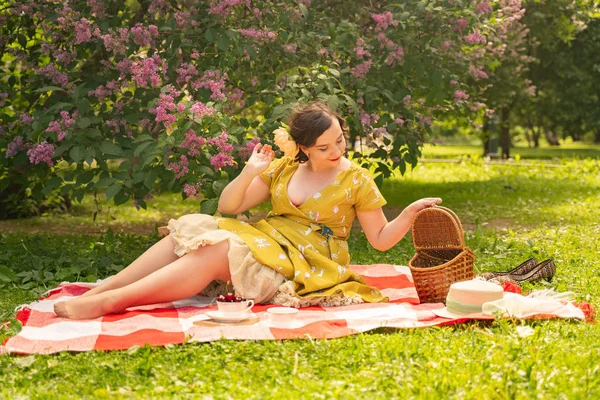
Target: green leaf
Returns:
[49, 89]
[223, 43]
[143, 138]
[76, 153]
[113, 190]
[85, 177]
[84, 106]
[218, 186]
[209, 206]
[53, 183]
[111, 149]
[303, 10]
[210, 35]
[84, 122]
[7, 274]
[139, 149]
[105, 182]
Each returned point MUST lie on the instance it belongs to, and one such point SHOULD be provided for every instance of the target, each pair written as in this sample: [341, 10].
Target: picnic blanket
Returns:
[182, 321]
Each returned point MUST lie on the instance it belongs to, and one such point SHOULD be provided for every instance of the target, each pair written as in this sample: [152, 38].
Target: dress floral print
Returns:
[307, 243]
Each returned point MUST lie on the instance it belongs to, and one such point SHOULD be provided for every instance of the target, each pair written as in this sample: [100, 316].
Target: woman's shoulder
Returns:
[357, 170]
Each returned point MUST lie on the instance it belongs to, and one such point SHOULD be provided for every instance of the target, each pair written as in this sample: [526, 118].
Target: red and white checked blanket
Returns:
[172, 323]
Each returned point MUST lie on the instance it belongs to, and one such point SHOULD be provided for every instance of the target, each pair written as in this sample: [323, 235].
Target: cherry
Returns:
[220, 298]
[230, 297]
[238, 299]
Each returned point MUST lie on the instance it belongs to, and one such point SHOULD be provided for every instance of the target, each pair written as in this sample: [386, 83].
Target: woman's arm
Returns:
[383, 234]
[248, 189]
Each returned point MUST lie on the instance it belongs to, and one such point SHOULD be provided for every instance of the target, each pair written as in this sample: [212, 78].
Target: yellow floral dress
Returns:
[307, 244]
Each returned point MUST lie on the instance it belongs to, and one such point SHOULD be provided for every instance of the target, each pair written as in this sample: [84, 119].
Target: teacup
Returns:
[235, 307]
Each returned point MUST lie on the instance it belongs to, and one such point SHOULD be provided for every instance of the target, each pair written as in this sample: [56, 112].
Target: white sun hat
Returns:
[467, 297]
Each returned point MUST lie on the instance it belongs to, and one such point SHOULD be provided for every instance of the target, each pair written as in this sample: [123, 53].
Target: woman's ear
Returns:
[303, 149]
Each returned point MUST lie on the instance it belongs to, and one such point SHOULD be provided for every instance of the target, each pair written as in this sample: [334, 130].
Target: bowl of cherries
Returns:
[230, 303]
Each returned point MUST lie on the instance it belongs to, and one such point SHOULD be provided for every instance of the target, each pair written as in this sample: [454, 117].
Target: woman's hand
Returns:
[421, 204]
[260, 159]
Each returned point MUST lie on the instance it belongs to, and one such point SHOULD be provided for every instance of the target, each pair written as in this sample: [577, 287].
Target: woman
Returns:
[297, 256]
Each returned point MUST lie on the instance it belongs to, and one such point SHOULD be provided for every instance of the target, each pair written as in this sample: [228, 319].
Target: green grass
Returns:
[545, 152]
[510, 212]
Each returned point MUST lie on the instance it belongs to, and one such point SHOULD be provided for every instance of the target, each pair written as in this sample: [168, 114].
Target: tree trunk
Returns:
[536, 138]
[486, 137]
[597, 136]
[551, 138]
[505, 132]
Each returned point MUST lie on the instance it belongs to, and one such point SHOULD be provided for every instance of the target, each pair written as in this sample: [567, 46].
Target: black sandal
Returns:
[544, 270]
[522, 269]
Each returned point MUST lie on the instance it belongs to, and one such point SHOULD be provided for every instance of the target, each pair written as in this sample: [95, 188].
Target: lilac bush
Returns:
[127, 98]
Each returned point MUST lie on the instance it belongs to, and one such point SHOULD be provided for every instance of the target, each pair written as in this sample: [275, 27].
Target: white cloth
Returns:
[540, 302]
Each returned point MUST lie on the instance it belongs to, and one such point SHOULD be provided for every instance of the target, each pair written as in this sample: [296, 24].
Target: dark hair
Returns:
[309, 122]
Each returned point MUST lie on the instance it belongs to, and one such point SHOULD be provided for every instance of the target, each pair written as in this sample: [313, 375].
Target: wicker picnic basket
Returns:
[441, 255]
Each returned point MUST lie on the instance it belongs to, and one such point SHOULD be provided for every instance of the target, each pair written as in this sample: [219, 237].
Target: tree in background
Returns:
[128, 98]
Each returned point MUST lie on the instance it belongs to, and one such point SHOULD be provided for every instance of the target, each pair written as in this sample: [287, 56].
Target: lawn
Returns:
[510, 213]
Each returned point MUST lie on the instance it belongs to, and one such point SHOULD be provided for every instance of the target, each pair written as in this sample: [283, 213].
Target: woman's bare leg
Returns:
[156, 257]
[180, 279]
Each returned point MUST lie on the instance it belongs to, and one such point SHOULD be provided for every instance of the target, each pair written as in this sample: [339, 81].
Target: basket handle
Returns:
[457, 221]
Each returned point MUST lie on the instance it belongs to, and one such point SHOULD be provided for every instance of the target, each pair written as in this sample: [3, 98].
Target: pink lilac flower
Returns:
[323, 52]
[201, 110]
[459, 24]
[144, 35]
[360, 50]
[246, 151]
[478, 72]
[489, 112]
[399, 121]
[220, 160]
[182, 19]
[25, 119]
[384, 41]
[49, 71]
[115, 124]
[42, 152]
[260, 36]
[213, 80]
[234, 99]
[100, 93]
[185, 73]
[63, 56]
[225, 7]
[483, 7]
[379, 132]
[164, 107]
[146, 72]
[195, 55]
[159, 6]
[254, 81]
[453, 82]
[395, 56]
[124, 67]
[361, 70]
[61, 127]
[146, 124]
[97, 7]
[460, 95]
[116, 42]
[180, 168]
[190, 190]
[83, 31]
[192, 142]
[383, 21]
[475, 38]
[14, 147]
[406, 99]
[180, 107]
[290, 48]
[446, 45]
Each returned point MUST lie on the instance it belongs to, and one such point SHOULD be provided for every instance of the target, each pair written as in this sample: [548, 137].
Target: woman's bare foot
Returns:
[86, 308]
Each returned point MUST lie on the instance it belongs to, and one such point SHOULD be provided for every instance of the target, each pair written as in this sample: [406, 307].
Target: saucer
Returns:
[220, 316]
